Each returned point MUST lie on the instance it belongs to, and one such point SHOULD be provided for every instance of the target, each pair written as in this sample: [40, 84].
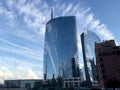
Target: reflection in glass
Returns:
[60, 47]
[88, 40]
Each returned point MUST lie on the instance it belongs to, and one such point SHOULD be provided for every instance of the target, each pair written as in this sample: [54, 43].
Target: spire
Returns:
[51, 13]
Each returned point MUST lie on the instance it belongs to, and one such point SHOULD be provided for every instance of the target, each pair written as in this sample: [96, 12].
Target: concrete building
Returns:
[72, 82]
[25, 83]
[107, 62]
[77, 82]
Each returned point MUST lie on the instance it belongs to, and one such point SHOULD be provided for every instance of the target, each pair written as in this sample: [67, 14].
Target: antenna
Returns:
[51, 13]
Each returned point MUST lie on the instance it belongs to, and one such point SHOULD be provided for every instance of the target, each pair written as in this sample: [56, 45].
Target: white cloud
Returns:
[22, 70]
[25, 35]
[16, 62]
[5, 73]
[68, 9]
[21, 50]
[89, 22]
[7, 13]
[33, 16]
[31, 74]
[79, 46]
[81, 65]
[36, 17]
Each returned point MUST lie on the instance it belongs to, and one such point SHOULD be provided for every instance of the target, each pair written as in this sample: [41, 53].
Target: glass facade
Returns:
[88, 40]
[60, 47]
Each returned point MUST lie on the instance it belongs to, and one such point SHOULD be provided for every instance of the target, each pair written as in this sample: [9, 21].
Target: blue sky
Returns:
[22, 28]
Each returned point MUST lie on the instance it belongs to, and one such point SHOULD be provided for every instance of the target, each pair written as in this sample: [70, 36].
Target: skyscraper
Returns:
[60, 47]
[88, 40]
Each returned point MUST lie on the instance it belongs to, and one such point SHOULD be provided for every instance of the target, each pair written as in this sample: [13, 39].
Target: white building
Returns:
[72, 82]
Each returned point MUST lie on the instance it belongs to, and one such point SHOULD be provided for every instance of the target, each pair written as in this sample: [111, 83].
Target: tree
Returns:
[54, 83]
[60, 81]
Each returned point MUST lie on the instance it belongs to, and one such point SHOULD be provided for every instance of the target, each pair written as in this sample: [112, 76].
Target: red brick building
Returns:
[107, 61]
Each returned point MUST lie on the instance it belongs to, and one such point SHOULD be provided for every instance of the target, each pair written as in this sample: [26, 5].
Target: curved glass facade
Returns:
[60, 47]
[88, 40]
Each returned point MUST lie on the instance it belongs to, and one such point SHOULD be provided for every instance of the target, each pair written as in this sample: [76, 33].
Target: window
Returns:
[101, 59]
[115, 47]
[104, 77]
[66, 79]
[118, 52]
[103, 70]
[102, 65]
[100, 54]
[75, 79]
[113, 53]
[27, 85]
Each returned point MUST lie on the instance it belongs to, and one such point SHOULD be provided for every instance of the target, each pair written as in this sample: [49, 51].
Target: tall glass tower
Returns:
[88, 40]
[60, 48]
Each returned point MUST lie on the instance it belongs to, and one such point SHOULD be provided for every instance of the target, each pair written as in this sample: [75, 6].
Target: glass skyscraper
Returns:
[60, 48]
[88, 39]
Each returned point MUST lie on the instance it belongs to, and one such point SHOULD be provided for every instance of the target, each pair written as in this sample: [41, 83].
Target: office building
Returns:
[60, 48]
[108, 63]
[88, 39]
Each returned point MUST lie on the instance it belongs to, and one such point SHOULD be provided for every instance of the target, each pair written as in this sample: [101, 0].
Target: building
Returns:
[88, 40]
[72, 82]
[77, 82]
[2, 85]
[75, 68]
[60, 47]
[95, 84]
[108, 63]
[25, 83]
[13, 89]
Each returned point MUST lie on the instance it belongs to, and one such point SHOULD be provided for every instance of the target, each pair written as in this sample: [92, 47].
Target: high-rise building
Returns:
[60, 48]
[108, 63]
[88, 40]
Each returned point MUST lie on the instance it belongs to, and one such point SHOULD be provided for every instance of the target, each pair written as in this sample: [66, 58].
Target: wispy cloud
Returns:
[8, 14]
[68, 9]
[21, 50]
[29, 36]
[10, 61]
[89, 22]
[34, 17]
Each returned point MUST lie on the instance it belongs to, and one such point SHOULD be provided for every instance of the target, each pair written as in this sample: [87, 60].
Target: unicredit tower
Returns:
[60, 48]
